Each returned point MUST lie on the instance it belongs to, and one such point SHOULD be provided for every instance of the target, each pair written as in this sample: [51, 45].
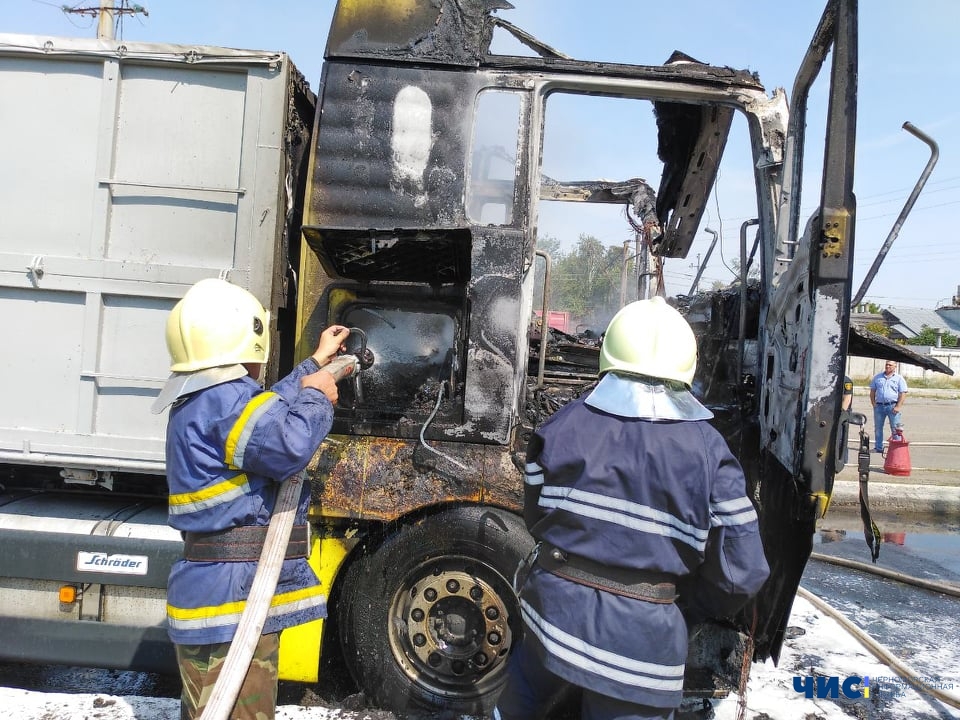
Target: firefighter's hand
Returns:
[324, 382]
[331, 342]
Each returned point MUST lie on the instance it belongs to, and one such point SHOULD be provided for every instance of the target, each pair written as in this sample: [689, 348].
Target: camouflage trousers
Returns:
[200, 667]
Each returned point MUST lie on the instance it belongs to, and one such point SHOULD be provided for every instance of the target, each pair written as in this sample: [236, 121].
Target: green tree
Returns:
[586, 280]
[928, 336]
[752, 274]
[877, 327]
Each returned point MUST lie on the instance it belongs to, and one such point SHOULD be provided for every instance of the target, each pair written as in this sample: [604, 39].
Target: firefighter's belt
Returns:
[632, 583]
[241, 544]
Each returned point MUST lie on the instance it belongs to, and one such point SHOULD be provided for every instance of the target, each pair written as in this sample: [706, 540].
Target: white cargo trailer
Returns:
[129, 172]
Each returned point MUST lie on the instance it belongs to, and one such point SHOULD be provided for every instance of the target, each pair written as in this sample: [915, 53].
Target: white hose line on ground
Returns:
[244, 644]
[908, 673]
[945, 588]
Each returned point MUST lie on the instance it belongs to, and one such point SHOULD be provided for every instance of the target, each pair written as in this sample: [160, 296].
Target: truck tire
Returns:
[428, 619]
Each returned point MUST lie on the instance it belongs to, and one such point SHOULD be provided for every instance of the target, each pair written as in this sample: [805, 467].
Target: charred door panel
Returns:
[397, 138]
[437, 295]
[806, 329]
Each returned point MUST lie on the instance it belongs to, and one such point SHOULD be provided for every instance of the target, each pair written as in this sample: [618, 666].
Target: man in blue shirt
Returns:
[888, 390]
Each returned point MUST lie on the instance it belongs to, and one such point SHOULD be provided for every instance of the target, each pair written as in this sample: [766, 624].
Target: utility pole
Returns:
[695, 265]
[105, 13]
[648, 277]
[696, 280]
[105, 26]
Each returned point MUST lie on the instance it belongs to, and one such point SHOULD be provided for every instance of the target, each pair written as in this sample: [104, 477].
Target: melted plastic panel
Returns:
[397, 138]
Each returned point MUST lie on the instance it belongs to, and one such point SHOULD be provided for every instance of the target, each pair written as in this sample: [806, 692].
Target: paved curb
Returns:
[942, 501]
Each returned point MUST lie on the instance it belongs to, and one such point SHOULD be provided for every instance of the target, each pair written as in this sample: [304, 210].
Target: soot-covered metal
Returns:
[444, 294]
[439, 295]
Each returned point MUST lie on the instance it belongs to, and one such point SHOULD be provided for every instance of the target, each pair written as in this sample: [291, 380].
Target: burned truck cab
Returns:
[422, 204]
[429, 184]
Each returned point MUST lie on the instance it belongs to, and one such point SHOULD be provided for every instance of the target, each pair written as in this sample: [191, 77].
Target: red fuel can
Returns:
[897, 461]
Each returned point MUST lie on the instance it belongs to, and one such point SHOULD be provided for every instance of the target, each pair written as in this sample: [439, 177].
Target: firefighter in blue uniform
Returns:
[630, 494]
[230, 445]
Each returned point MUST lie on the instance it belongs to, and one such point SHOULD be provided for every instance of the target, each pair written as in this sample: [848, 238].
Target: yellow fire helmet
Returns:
[650, 338]
[215, 324]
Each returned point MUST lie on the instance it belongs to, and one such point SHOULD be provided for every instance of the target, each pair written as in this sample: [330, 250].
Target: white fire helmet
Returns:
[216, 324]
[652, 339]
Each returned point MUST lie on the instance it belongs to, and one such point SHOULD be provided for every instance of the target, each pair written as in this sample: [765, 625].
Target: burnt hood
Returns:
[864, 343]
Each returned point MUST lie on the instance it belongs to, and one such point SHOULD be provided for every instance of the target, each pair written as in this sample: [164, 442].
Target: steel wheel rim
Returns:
[449, 625]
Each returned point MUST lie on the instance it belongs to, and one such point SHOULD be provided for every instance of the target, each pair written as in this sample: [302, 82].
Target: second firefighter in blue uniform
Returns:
[631, 495]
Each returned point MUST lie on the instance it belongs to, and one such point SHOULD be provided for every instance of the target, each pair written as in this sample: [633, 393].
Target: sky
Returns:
[907, 73]
[824, 648]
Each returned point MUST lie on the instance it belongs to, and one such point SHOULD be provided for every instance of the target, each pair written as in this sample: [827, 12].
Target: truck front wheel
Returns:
[427, 620]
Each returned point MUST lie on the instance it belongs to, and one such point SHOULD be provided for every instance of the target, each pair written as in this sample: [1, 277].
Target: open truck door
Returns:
[804, 337]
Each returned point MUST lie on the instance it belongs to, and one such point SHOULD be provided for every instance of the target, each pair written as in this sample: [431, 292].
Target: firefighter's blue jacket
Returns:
[229, 448]
[661, 496]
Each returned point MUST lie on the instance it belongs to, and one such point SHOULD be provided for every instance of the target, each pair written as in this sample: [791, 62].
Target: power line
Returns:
[900, 191]
[108, 13]
[915, 209]
[925, 192]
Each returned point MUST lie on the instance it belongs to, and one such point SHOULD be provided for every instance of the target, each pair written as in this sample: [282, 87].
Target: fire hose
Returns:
[908, 673]
[882, 653]
[244, 644]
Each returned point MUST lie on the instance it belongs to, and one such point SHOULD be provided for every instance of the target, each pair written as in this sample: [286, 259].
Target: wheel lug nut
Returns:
[480, 659]
[452, 586]
[430, 594]
[434, 659]
[417, 615]
[492, 613]
[494, 638]
[476, 593]
[419, 640]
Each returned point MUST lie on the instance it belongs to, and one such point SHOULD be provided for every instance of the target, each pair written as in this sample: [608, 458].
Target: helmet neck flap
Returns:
[631, 397]
[181, 384]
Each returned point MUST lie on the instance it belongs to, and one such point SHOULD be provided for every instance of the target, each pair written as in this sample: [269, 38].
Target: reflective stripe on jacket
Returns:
[229, 447]
[666, 497]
